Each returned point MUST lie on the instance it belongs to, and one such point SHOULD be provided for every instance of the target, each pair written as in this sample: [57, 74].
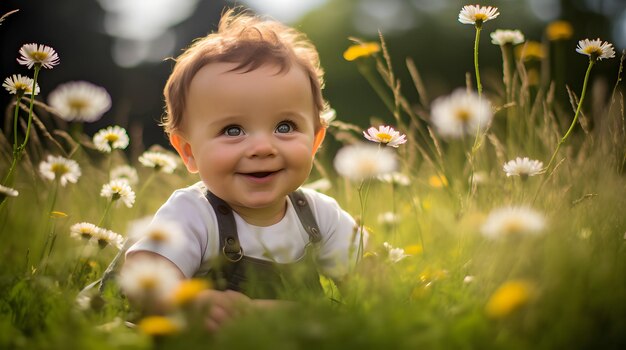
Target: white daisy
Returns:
[596, 49]
[80, 101]
[8, 192]
[119, 189]
[63, 169]
[395, 178]
[145, 279]
[394, 254]
[20, 85]
[322, 184]
[477, 15]
[125, 172]
[157, 232]
[113, 137]
[361, 161]
[83, 230]
[509, 221]
[388, 218]
[33, 54]
[505, 36]
[523, 167]
[104, 237]
[385, 135]
[460, 113]
[159, 161]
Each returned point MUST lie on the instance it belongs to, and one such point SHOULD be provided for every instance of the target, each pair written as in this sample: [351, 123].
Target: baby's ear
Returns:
[319, 137]
[183, 147]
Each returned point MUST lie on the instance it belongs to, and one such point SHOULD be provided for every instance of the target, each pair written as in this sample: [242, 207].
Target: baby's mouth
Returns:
[260, 174]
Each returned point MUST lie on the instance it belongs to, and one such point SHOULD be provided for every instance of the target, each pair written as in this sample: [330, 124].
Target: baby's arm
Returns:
[221, 306]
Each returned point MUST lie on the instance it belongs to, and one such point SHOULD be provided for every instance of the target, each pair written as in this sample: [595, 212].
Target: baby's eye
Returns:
[233, 130]
[285, 127]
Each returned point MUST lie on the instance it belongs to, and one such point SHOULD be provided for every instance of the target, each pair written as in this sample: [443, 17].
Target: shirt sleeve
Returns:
[341, 237]
[194, 217]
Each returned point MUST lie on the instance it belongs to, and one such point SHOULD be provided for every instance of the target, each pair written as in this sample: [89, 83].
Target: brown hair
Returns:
[251, 42]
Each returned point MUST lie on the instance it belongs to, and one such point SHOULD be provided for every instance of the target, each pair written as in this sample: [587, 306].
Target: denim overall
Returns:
[258, 278]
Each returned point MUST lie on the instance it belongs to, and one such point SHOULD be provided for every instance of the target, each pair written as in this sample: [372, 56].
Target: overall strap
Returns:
[303, 209]
[229, 240]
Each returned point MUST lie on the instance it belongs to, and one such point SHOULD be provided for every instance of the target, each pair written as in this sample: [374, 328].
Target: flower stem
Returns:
[375, 84]
[106, 212]
[30, 108]
[571, 127]
[476, 41]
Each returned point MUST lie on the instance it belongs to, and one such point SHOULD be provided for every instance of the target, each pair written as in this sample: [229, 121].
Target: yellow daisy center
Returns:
[148, 283]
[78, 104]
[39, 56]
[593, 50]
[513, 226]
[157, 236]
[60, 169]
[111, 138]
[480, 17]
[463, 115]
[384, 137]
[157, 326]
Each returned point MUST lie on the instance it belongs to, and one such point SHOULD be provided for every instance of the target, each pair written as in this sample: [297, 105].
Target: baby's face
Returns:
[250, 134]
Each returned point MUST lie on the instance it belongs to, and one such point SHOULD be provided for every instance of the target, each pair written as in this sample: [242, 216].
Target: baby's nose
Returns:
[261, 145]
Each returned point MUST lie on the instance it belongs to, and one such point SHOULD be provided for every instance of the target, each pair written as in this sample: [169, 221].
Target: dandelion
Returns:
[385, 135]
[119, 190]
[104, 237]
[477, 15]
[507, 37]
[125, 172]
[8, 192]
[38, 55]
[319, 185]
[159, 161]
[460, 113]
[158, 326]
[149, 280]
[595, 49]
[361, 50]
[394, 254]
[113, 137]
[559, 30]
[395, 178]
[59, 168]
[80, 101]
[20, 85]
[513, 221]
[413, 249]
[83, 231]
[509, 297]
[523, 167]
[188, 290]
[362, 161]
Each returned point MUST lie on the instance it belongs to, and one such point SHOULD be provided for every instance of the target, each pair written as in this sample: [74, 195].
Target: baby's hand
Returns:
[223, 306]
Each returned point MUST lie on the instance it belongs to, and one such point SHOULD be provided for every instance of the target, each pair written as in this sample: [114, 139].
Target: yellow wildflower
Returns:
[559, 30]
[361, 50]
[413, 249]
[158, 326]
[187, 290]
[438, 181]
[532, 50]
[509, 297]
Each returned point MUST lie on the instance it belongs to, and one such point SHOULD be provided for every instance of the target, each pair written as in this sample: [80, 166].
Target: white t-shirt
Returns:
[283, 242]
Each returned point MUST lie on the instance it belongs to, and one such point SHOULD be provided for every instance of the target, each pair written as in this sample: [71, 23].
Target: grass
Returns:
[563, 288]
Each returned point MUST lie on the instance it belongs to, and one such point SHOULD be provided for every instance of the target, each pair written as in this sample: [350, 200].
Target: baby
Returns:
[243, 111]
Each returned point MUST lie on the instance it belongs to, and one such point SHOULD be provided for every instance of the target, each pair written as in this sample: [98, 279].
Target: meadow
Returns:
[495, 213]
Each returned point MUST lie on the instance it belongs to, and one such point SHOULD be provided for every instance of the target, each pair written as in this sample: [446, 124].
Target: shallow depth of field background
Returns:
[562, 288]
